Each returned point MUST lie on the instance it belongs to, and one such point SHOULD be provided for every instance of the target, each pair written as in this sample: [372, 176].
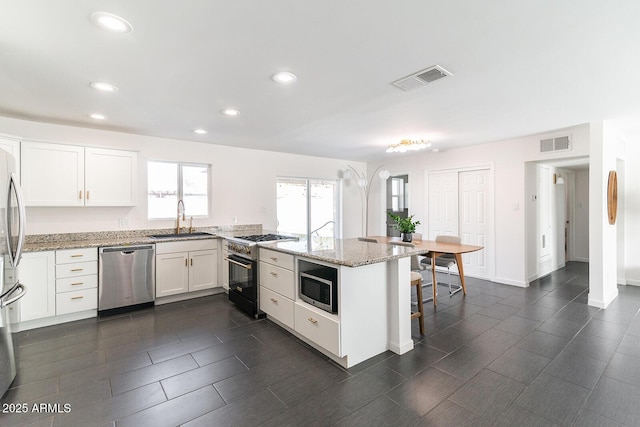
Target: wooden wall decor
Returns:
[612, 197]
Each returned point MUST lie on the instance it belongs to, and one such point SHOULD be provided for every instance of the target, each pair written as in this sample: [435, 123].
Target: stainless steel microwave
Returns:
[320, 288]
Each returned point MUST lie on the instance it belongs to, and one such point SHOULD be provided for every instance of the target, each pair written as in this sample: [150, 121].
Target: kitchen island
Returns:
[373, 297]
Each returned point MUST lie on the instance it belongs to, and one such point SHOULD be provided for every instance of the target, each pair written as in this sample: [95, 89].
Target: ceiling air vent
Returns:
[421, 78]
[560, 143]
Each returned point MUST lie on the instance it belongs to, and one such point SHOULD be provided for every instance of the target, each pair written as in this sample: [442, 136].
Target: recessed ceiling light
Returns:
[284, 77]
[200, 131]
[97, 116]
[230, 112]
[111, 22]
[105, 87]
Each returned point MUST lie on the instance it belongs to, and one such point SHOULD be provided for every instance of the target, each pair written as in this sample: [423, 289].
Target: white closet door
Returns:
[443, 204]
[474, 195]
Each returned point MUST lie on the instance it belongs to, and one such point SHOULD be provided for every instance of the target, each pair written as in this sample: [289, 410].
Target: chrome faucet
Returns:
[184, 217]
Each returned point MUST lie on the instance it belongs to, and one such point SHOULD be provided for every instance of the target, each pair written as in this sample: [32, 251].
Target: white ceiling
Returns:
[519, 68]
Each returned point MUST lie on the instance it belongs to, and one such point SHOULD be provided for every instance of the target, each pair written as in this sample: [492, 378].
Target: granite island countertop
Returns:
[347, 252]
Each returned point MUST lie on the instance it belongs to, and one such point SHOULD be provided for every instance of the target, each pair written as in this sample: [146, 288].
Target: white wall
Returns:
[507, 159]
[580, 244]
[632, 210]
[603, 248]
[243, 180]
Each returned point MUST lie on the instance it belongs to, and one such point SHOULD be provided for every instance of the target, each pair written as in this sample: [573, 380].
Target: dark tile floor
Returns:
[501, 356]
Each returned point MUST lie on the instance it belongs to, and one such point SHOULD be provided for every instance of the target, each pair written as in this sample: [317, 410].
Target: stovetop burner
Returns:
[264, 237]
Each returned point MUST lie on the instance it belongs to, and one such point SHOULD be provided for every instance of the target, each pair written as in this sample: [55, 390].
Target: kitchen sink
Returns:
[181, 235]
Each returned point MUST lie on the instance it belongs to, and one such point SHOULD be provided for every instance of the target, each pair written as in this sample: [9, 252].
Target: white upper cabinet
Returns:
[69, 175]
[52, 174]
[12, 146]
[110, 177]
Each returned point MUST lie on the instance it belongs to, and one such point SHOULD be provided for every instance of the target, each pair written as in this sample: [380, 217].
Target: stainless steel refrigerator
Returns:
[12, 226]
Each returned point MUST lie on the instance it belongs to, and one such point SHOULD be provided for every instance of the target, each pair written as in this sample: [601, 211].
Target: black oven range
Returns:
[243, 270]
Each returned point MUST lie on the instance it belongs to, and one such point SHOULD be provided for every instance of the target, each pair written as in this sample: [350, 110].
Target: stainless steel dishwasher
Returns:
[126, 277]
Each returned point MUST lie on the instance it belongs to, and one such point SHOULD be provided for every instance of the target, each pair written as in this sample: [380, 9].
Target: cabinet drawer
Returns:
[276, 306]
[187, 245]
[73, 284]
[71, 302]
[76, 269]
[67, 256]
[317, 327]
[276, 258]
[277, 279]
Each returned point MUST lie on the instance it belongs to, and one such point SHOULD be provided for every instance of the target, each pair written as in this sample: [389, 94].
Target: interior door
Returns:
[546, 214]
[443, 204]
[474, 194]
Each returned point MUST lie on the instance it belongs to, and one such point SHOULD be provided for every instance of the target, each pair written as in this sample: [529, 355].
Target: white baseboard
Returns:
[511, 282]
[632, 282]
[53, 320]
[600, 303]
[188, 296]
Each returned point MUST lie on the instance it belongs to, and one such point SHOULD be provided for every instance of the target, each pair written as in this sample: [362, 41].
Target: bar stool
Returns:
[416, 281]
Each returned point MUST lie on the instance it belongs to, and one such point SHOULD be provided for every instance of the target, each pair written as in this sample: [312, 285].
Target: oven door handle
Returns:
[247, 266]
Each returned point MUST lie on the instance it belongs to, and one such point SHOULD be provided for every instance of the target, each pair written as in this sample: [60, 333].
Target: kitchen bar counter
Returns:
[395, 275]
[347, 252]
[393, 302]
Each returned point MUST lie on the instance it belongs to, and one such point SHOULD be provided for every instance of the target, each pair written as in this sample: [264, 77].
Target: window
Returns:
[308, 207]
[397, 194]
[169, 182]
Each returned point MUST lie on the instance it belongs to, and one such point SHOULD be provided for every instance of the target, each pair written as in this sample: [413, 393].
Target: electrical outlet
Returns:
[235, 219]
[123, 223]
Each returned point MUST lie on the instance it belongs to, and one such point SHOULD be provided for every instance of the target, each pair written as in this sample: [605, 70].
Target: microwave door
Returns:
[15, 221]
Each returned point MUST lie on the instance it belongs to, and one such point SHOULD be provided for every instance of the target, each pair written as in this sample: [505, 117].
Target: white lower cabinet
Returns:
[277, 306]
[37, 271]
[172, 273]
[277, 285]
[74, 301]
[225, 265]
[76, 280]
[318, 327]
[357, 332]
[186, 266]
[203, 270]
[58, 283]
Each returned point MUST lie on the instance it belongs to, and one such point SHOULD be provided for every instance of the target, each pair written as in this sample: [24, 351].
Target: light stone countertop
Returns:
[347, 252]
[52, 242]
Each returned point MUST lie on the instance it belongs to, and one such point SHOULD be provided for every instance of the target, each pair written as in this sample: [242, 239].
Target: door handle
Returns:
[247, 266]
[23, 291]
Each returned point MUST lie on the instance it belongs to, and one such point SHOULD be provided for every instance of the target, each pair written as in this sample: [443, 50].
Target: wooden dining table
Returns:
[437, 249]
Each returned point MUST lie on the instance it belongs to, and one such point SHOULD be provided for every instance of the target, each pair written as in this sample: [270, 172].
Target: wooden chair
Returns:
[416, 281]
[446, 260]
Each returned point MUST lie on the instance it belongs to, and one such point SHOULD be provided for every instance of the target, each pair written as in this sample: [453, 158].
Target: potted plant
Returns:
[406, 226]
